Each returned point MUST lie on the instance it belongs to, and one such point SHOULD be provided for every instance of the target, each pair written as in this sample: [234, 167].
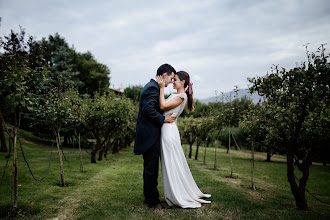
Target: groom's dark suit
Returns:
[147, 139]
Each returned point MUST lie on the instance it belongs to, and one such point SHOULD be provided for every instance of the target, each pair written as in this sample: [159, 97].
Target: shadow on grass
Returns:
[232, 177]
[24, 211]
[67, 184]
[212, 169]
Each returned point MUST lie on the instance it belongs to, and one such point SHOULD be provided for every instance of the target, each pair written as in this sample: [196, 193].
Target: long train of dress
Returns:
[179, 185]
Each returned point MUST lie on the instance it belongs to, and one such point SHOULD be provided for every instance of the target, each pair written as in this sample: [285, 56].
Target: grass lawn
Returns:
[112, 188]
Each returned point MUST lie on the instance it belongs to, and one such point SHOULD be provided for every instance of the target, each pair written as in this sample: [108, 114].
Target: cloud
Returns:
[220, 43]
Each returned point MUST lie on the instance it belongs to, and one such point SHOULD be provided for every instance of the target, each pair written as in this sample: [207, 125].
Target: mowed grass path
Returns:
[112, 188]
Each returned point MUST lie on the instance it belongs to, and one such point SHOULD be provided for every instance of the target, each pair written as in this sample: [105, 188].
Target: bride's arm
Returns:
[174, 102]
[171, 104]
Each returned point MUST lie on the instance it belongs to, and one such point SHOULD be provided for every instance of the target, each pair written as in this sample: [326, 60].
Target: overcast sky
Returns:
[218, 42]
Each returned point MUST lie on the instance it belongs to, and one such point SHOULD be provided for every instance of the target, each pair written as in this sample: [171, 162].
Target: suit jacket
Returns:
[150, 118]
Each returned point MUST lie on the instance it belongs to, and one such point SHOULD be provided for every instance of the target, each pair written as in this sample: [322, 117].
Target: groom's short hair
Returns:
[165, 68]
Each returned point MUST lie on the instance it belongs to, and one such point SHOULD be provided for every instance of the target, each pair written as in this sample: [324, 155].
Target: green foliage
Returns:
[89, 76]
[295, 114]
[187, 127]
[55, 109]
[133, 92]
[203, 127]
[197, 130]
[94, 76]
[109, 119]
[50, 79]
[239, 135]
[226, 113]
[296, 109]
[223, 114]
[201, 110]
[78, 108]
[19, 75]
[259, 134]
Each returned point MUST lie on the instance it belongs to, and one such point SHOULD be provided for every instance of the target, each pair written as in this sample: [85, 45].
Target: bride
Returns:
[180, 188]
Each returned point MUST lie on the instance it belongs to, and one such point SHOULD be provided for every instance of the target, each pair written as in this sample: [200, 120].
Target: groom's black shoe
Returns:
[158, 206]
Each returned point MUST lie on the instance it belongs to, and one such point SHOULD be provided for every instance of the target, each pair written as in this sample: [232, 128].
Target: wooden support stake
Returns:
[252, 168]
[81, 162]
[231, 160]
[215, 154]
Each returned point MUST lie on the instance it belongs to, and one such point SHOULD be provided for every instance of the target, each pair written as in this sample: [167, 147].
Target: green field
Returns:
[112, 188]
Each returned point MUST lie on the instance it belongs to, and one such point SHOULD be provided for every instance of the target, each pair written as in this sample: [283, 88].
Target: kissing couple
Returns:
[157, 136]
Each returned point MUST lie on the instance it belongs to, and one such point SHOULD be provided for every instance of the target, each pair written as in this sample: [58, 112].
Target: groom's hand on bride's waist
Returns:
[170, 118]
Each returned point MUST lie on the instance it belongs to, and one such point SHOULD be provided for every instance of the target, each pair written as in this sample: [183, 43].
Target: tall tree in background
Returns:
[94, 76]
[297, 110]
[86, 74]
[89, 75]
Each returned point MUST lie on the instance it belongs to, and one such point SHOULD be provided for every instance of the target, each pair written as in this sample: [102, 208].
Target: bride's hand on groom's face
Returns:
[160, 81]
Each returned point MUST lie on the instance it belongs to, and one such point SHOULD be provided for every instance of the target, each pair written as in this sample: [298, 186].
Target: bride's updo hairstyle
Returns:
[188, 88]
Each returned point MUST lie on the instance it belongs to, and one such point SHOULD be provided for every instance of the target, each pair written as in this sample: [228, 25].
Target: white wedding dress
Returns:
[179, 185]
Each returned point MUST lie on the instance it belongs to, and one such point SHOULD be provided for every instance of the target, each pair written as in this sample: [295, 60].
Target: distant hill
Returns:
[240, 94]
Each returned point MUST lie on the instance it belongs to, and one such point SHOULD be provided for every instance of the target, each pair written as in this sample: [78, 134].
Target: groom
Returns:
[147, 139]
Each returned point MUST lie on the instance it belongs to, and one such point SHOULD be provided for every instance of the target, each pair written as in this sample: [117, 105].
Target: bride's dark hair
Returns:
[189, 91]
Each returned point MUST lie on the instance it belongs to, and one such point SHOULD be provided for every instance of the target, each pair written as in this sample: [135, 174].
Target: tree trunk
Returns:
[115, 149]
[204, 160]
[190, 150]
[298, 192]
[14, 193]
[65, 140]
[206, 145]
[58, 139]
[129, 142]
[121, 144]
[252, 168]
[80, 154]
[215, 154]
[325, 152]
[268, 155]
[14, 206]
[2, 135]
[197, 148]
[228, 142]
[101, 154]
[106, 152]
[95, 150]
[126, 142]
[235, 145]
[231, 160]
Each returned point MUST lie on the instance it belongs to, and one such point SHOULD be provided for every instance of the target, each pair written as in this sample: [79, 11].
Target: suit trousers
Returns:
[150, 174]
